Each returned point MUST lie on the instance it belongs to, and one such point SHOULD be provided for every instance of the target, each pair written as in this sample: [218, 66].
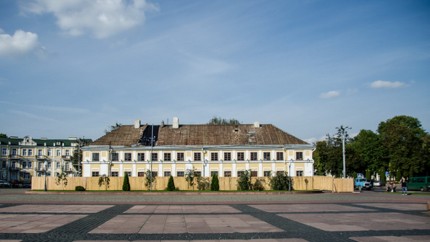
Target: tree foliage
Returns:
[3, 135]
[244, 181]
[400, 146]
[223, 121]
[280, 182]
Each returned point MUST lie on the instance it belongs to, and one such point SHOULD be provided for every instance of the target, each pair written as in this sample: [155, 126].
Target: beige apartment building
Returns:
[22, 158]
[206, 149]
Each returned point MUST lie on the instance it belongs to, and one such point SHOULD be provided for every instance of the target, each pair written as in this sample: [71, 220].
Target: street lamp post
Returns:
[289, 175]
[45, 167]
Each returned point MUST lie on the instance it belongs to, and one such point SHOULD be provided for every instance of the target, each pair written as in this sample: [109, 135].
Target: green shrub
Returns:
[126, 183]
[203, 183]
[258, 185]
[244, 181]
[215, 183]
[280, 182]
[171, 184]
[79, 188]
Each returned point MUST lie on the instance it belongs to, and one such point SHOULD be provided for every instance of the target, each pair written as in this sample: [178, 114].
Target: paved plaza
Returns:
[367, 216]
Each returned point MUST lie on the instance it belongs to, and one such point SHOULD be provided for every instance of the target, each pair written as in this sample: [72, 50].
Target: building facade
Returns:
[205, 149]
[22, 158]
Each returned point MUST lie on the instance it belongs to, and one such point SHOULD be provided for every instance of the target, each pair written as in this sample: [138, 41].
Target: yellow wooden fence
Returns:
[225, 183]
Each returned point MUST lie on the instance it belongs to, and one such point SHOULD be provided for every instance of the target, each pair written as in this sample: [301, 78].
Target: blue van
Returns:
[421, 183]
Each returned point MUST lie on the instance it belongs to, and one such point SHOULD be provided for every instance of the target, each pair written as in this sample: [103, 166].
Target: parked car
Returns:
[419, 183]
[4, 183]
[362, 183]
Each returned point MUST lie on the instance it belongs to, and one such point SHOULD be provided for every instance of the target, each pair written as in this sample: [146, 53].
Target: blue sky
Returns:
[72, 68]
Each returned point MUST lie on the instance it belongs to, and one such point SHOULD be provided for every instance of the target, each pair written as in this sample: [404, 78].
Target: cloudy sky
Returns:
[74, 67]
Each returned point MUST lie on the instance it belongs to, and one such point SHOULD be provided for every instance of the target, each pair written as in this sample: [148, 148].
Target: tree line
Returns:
[400, 147]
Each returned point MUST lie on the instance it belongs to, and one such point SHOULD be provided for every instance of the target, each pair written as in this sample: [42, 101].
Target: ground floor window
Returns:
[180, 173]
[167, 173]
[227, 173]
[128, 173]
[213, 173]
[141, 174]
[254, 173]
[95, 173]
[299, 173]
[266, 173]
[114, 173]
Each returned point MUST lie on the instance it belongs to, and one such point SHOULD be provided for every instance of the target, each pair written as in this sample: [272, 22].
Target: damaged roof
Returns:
[200, 134]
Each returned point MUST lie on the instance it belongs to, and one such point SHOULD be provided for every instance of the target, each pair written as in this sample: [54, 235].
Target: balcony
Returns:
[14, 157]
[41, 157]
[14, 168]
[66, 157]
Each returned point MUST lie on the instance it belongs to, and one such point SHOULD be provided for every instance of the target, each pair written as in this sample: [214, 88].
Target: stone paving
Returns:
[363, 217]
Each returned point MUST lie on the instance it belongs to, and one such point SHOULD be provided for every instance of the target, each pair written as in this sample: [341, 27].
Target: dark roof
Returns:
[40, 142]
[124, 135]
[205, 134]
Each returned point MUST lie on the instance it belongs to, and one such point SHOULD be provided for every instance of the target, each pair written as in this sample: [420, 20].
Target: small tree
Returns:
[189, 177]
[244, 181]
[171, 184]
[104, 180]
[215, 183]
[149, 179]
[61, 179]
[258, 185]
[126, 183]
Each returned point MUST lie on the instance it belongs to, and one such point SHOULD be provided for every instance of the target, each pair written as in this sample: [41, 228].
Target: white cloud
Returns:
[386, 84]
[101, 18]
[330, 94]
[19, 43]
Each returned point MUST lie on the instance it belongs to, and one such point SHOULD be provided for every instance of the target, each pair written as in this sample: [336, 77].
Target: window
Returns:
[141, 156]
[67, 152]
[299, 155]
[39, 152]
[167, 156]
[197, 156]
[279, 155]
[180, 173]
[29, 164]
[180, 156]
[214, 156]
[115, 156]
[24, 165]
[167, 173]
[95, 173]
[266, 155]
[154, 156]
[154, 174]
[213, 173]
[299, 173]
[49, 152]
[30, 152]
[240, 173]
[128, 173]
[267, 173]
[58, 152]
[141, 174]
[227, 156]
[254, 173]
[96, 157]
[24, 152]
[127, 156]
[13, 151]
[197, 173]
[241, 156]
[57, 165]
[254, 156]
[114, 173]
[4, 151]
[227, 173]
[280, 173]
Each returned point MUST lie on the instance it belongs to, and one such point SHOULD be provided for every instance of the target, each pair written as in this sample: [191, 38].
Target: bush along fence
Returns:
[242, 183]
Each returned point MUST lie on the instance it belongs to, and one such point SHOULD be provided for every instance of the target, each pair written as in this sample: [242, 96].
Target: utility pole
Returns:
[343, 133]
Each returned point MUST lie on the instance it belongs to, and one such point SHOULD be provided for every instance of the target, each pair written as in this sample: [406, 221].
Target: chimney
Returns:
[137, 124]
[256, 124]
[175, 124]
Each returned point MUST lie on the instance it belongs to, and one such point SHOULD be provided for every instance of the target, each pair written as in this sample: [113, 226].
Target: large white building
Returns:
[225, 150]
[22, 158]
